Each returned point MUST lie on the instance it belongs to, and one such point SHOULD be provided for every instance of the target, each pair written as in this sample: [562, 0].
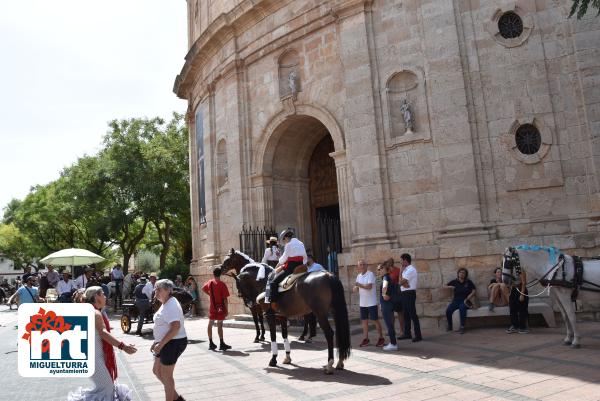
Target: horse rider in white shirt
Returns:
[294, 255]
[272, 253]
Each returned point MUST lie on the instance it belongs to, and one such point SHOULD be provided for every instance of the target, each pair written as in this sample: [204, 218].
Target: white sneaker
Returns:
[391, 347]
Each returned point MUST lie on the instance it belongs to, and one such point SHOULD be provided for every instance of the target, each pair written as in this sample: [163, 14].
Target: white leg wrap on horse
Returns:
[274, 348]
[286, 345]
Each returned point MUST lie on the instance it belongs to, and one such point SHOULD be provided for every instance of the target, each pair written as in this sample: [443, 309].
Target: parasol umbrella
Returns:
[72, 257]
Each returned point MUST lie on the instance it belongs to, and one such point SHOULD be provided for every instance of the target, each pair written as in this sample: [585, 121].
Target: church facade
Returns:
[448, 129]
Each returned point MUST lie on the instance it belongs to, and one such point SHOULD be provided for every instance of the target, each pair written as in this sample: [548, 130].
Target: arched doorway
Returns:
[324, 202]
[304, 183]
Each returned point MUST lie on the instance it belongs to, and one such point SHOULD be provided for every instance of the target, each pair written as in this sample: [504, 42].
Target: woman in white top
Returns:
[272, 253]
[170, 339]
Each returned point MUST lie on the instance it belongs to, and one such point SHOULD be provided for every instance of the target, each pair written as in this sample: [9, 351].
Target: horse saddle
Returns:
[290, 280]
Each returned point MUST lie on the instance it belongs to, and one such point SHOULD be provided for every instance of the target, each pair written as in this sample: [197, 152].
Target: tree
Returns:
[166, 153]
[580, 7]
[15, 245]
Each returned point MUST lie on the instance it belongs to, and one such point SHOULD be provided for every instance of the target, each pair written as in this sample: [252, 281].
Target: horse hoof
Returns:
[575, 346]
[273, 362]
[256, 340]
[262, 338]
[287, 360]
[328, 370]
[567, 342]
[340, 366]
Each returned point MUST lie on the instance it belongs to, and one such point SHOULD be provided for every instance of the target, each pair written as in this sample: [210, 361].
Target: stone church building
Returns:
[448, 129]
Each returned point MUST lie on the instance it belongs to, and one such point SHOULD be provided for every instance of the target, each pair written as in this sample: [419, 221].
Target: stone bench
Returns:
[534, 308]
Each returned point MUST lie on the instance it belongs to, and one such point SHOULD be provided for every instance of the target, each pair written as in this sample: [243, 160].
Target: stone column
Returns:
[450, 125]
[344, 197]
[211, 230]
[360, 128]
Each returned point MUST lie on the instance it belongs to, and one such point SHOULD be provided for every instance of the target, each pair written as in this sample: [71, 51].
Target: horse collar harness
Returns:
[577, 283]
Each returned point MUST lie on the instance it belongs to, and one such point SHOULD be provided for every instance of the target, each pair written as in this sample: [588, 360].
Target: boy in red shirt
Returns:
[218, 293]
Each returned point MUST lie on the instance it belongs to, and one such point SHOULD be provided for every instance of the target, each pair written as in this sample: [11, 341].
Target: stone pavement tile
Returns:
[439, 390]
[549, 387]
[504, 384]
[463, 395]
[587, 392]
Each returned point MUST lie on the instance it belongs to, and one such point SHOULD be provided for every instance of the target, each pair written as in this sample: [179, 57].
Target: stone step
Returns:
[294, 327]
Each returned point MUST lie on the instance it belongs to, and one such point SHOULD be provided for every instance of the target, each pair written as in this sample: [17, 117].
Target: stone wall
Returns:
[449, 185]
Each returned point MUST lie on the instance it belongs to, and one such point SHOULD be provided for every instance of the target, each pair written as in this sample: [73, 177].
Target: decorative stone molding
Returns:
[511, 144]
[491, 26]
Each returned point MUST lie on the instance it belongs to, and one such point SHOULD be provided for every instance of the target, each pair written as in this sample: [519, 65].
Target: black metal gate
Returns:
[253, 241]
[329, 236]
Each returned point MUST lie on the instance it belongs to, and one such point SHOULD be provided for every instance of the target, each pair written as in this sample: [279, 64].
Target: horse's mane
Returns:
[553, 252]
[268, 269]
[242, 254]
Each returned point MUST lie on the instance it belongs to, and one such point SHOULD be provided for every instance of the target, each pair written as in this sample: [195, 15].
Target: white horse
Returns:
[543, 263]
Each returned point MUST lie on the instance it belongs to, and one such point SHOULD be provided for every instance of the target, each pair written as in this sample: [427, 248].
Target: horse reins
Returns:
[514, 262]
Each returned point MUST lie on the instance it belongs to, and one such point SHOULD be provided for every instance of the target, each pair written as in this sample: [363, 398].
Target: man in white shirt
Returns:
[52, 276]
[294, 255]
[367, 294]
[82, 281]
[408, 286]
[65, 288]
[117, 276]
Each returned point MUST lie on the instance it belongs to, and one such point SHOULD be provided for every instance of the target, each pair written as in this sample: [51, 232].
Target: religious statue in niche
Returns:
[293, 83]
[407, 114]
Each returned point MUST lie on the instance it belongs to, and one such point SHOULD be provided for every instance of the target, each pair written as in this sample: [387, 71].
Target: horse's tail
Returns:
[340, 318]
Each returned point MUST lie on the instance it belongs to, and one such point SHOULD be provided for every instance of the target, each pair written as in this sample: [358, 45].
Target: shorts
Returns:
[369, 313]
[214, 315]
[172, 350]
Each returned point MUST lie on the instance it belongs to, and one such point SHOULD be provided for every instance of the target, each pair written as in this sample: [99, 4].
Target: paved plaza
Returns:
[483, 364]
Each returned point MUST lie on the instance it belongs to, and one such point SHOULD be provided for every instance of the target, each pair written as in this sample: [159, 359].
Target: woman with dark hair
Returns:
[464, 292]
[105, 374]
[499, 292]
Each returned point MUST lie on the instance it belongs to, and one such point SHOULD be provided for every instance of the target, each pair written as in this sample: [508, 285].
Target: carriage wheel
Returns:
[125, 323]
[186, 308]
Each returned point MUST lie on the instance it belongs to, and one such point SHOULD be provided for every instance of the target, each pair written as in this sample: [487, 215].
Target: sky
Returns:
[68, 67]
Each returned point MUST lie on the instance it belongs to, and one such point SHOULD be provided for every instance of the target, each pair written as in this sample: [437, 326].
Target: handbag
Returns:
[219, 308]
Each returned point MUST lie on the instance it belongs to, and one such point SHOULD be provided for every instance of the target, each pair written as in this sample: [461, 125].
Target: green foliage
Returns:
[134, 194]
[146, 261]
[15, 246]
[580, 7]
[172, 270]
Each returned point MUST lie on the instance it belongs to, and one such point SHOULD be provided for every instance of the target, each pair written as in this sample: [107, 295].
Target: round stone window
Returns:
[510, 25]
[529, 139]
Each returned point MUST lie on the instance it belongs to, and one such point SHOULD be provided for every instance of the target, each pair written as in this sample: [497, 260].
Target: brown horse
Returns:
[317, 292]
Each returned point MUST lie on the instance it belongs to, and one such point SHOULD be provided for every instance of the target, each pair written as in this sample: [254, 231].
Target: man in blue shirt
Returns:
[312, 265]
[28, 294]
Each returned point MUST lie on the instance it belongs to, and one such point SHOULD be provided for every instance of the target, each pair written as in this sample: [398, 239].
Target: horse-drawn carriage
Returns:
[131, 313]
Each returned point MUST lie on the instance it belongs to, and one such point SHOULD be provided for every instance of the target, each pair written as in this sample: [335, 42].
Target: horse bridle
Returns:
[514, 263]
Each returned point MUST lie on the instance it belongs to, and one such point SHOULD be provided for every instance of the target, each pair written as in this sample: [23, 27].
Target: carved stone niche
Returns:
[407, 110]
[289, 65]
